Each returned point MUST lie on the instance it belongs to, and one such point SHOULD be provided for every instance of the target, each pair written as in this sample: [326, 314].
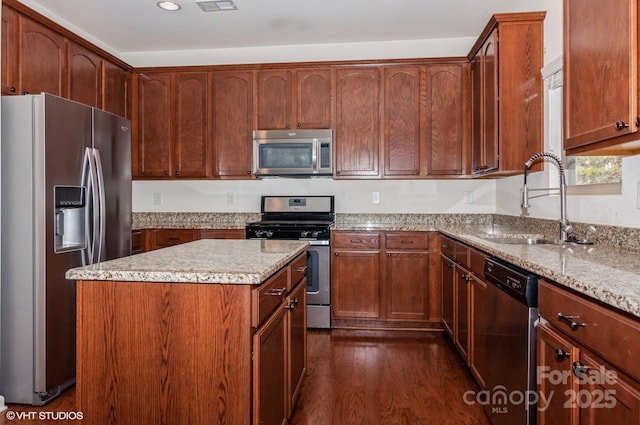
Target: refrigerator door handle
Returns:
[102, 208]
[93, 212]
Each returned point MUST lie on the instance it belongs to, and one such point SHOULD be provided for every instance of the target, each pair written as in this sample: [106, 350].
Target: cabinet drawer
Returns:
[172, 237]
[297, 270]
[267, 297]
[407, 240]
[356, 240]
[137, 241]
[606, 332]
[476, 262]
[448, 247]
[222, 234]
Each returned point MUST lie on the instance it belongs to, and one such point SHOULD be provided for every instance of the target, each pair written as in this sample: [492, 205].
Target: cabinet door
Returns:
[154, 126]
[9, 51]
[600, 72]
[608, 397]
[477, 126]
[357, 140]
[401, 120]
[297, 349]
[232, 123]
[556, 382]
[85, 76]
[222, 234]
[192, 139]
[269, 371]
[489, 76]
[313, 98]
[478, 315]
[461, 311]
[355, 280]
[407, 285]
[116, 90]
[274, 100]
[163, 238]
[447, 277]
[43, 59]
[444, 120]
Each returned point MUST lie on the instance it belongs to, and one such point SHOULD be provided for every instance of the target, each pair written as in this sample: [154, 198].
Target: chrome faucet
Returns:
[565, 228]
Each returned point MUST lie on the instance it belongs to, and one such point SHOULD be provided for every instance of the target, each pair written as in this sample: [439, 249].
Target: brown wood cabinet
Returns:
[42, 59]
[447, 277]
[222, 234]
[445, 120]
[116, 89]
[294, 98]
[603, 116]
[10, 48]
[401, 122]
[406, 283]
[357, 123]
[507, 102]
[384, 280]
[232, 123]
[150, 239]
[85, 76]
[151, 155]
[172, 116]
[355, 275]
[577, 359]
[297, 341]
[162, 238]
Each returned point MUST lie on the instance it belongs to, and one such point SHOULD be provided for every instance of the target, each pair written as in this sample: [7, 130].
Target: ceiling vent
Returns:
[216, 5]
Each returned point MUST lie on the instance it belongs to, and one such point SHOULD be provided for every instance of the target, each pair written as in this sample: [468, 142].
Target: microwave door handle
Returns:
[315, 155]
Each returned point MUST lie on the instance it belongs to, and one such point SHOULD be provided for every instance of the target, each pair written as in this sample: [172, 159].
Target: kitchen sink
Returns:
[522, 240]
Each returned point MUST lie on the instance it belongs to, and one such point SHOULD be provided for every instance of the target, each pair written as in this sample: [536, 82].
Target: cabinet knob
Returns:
[287, 125]
[177, 173]
[166, 173]
[248, 173]
[299, 125]
[416, 172]
[621, 125]
[12, 89]
[338, 172]
[579, 369]
[561, 354]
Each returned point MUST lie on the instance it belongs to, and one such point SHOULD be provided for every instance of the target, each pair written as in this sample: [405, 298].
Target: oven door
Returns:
[318, 273]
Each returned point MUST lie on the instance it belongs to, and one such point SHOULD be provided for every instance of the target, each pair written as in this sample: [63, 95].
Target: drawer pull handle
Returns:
[174, 238]
[445, 246]
[449, 265]
[301, 269]
[356, 241]
[561, 354]
[406, 241]
[292, 304]
[277, 292]
[571, 321]
[579, 369]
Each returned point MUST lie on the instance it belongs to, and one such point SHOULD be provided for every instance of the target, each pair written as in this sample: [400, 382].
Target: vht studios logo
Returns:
[598, 380]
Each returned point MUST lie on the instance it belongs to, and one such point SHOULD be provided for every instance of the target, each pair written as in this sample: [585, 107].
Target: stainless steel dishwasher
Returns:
[512, 303]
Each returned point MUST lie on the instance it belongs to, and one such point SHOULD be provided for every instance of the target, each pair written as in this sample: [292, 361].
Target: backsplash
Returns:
[614, 236]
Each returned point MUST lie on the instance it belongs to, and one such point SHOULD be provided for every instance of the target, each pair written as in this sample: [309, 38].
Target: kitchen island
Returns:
[209, 332]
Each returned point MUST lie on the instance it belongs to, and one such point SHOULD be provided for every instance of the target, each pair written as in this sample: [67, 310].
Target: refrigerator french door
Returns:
[66, 202]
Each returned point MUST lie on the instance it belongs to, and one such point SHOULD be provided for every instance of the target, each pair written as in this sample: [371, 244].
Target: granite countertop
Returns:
[224, 261]
[607, 274]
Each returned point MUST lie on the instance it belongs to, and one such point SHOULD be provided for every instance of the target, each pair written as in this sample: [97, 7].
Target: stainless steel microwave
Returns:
[292, 152]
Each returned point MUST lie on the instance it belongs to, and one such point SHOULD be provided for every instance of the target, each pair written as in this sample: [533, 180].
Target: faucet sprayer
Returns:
[565, 229]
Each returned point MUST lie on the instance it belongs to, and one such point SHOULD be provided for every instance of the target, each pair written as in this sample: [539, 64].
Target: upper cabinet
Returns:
[39, 55]
[42, 59]
[172, 118]
[601, 77]
[85, 76]
[357, 123]
[294, 98]
[232, 123]
[507, 93]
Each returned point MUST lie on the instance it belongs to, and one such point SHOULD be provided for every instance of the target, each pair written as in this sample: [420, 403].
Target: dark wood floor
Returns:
[360, 378]
[385, 379]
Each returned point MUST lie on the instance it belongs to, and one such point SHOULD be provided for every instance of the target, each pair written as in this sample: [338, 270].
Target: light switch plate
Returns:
[157, 198]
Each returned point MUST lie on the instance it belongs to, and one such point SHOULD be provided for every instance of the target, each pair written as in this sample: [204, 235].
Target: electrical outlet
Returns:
[468, 197]
[157, 198]
[375, 197]
[231, 198]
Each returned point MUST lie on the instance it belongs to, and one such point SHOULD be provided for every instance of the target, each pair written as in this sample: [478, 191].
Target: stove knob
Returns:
[269, 233]
[259, 233]
[315, 234]
[304, 234]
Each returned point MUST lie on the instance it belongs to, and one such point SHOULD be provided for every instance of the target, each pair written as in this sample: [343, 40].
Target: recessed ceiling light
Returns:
[169, 5]
[216, 5]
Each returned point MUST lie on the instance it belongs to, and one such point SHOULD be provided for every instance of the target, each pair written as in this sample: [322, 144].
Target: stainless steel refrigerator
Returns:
[66, 202]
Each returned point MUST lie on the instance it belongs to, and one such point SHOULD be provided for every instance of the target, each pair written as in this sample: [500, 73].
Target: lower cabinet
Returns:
[382, 279]
[588, 372]
[150, 239]
[270, 371]
[297, 343]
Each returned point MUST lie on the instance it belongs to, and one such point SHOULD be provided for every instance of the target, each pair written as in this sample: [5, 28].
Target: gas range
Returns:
[287, 217]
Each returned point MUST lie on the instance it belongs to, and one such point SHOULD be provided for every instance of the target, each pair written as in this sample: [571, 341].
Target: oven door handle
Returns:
[316, 242]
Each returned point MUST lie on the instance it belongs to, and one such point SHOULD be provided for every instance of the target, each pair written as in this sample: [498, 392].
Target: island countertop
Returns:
[223, 261]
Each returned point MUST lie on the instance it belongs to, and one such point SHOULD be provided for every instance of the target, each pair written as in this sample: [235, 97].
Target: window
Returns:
[586, 175]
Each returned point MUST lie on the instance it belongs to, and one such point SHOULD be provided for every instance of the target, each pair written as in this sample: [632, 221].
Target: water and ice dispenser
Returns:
[70, 218]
